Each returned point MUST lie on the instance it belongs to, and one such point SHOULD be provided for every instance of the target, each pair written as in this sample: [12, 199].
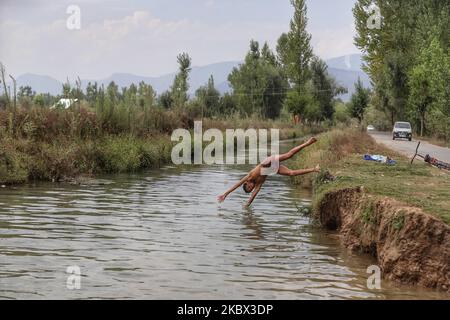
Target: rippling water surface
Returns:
[161, 234]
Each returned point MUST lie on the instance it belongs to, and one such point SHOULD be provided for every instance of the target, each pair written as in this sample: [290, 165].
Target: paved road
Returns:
[408, 148]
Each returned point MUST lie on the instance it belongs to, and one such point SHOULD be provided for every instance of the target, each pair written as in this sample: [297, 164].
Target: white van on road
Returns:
[402, 130]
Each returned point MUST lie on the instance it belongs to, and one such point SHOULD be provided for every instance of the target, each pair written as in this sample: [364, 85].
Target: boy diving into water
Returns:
[254, 180]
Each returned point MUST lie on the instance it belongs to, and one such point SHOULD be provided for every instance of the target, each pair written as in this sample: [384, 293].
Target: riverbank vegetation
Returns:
[58, 145]
[340, 153]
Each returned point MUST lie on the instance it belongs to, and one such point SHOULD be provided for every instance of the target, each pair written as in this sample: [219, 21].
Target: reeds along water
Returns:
[41, 143]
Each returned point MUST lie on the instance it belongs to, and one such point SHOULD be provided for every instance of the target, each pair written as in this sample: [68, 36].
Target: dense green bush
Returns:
[119, 154]
[13, 163]
[63, 158]
[341, 114]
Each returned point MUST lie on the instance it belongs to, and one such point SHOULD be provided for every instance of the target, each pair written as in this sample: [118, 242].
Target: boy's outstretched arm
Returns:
[254, 194]
[222, 197]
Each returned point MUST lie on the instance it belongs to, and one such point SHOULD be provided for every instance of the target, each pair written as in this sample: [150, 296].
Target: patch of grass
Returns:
[398, 221]
[368, 213]
[342, 152]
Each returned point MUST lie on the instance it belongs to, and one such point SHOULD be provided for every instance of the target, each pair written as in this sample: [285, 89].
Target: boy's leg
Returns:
[285, 171]
[295, 150]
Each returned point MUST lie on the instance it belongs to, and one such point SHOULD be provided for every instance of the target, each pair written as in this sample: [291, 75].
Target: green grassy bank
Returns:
[22, 160]
[340, 152]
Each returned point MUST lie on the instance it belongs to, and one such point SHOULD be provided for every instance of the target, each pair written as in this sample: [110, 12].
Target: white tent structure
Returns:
[64, 103]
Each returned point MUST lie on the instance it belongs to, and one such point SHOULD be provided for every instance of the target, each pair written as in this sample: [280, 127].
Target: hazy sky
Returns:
[144, 37]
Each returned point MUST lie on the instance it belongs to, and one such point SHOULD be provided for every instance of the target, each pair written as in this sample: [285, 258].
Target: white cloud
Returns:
[138, 42]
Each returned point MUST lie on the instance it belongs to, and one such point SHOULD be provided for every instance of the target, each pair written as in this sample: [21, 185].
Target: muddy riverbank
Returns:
[397, 213]
[410, 246]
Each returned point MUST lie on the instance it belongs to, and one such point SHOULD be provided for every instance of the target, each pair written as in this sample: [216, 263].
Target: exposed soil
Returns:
[411, 246]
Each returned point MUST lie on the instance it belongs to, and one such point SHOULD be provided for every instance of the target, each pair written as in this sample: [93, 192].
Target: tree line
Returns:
[406, 55]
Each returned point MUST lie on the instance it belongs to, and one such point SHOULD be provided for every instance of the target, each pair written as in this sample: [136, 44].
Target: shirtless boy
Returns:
[254, 180]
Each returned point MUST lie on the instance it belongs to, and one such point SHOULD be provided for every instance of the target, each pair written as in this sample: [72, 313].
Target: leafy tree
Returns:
[429, 82]
[111, 102]
[359, 101]
[209, 98]
[313, 113]
[100, 101]
[166, 100]
[112, 92]
[294, 54]
[341, 114]
[325, 88]
[247, 83]
[180, 87]
[294, 48]
[146, 95]
[297, 103]
[391, 48]
[227, 104]
[39, 100]
[274, 91]
[25, 96]
[66, 89]
[91, 92]
[258, 84]
[130, 95]
[25, 91]
[385, 61]
[268, 56]
[77, 90]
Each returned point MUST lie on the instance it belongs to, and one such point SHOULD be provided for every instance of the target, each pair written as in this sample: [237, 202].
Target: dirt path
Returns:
[408, 148]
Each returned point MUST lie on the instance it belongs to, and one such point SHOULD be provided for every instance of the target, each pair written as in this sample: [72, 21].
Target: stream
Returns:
[160, 234]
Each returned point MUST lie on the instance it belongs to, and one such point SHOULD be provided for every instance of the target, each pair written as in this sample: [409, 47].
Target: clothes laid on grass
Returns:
[379, 158]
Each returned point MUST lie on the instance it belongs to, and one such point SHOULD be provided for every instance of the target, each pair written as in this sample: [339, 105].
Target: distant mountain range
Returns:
[345, 69]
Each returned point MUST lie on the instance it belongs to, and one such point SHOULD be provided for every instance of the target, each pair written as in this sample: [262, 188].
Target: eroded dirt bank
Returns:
[412, 247]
